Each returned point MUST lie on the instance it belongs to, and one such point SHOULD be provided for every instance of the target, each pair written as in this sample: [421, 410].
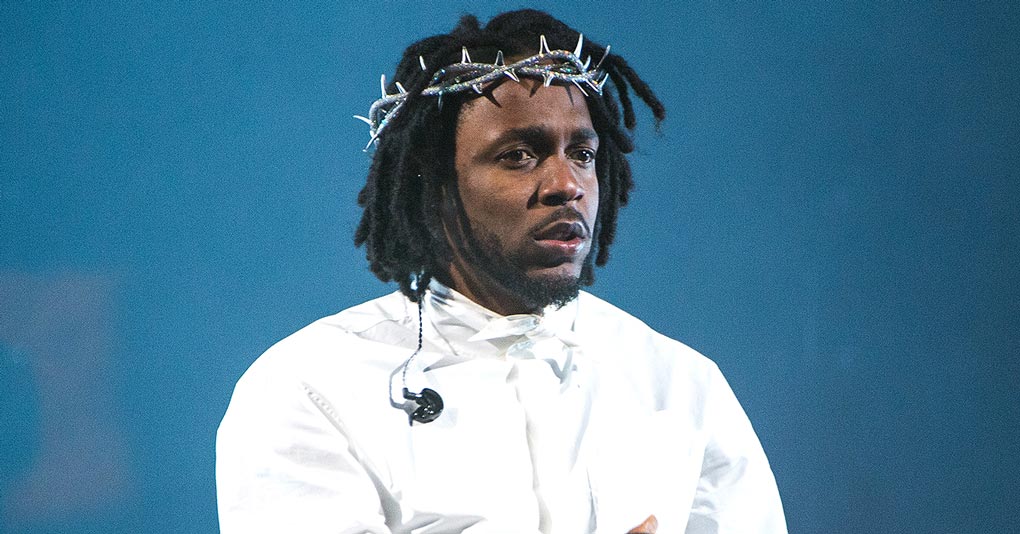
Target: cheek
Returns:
[491, 196]
[491, 208]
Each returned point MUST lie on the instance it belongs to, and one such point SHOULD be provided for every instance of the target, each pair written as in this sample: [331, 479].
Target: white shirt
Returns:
[579, 420]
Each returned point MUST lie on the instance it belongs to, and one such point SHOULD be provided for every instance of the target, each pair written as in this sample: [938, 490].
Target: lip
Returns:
[569, 247]
[563, 237]
[562, 230]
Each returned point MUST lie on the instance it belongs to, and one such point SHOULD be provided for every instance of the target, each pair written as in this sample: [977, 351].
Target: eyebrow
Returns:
[540, 135]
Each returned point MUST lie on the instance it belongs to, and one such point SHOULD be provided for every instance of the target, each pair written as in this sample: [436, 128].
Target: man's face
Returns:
[525, 162]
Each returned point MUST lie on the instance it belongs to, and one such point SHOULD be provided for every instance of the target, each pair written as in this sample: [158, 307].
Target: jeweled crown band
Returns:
[550, 65]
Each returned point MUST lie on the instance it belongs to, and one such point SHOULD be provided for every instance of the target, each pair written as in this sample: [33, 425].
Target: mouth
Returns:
[564, 237]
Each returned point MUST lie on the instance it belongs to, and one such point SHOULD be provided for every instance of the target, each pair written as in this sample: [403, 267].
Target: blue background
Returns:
[830, 213]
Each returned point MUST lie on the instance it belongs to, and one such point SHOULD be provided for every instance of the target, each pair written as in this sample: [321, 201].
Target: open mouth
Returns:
[566, 237]
[563, 231]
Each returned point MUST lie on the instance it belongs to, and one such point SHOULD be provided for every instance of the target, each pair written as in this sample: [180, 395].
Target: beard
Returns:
[535, 292]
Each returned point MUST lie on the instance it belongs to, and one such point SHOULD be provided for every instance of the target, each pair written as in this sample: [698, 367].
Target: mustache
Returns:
[564, 213]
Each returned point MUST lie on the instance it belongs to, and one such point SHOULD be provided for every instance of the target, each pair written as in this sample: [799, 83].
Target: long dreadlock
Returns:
[413, 164]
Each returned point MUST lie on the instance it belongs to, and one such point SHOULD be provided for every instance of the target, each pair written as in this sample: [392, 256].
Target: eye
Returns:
[585, 155]
[515, 158]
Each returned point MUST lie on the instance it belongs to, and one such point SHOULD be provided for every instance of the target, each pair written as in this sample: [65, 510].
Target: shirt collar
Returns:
[470, 330]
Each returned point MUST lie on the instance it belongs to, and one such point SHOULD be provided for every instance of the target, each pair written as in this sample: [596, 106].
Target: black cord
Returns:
[407, 363]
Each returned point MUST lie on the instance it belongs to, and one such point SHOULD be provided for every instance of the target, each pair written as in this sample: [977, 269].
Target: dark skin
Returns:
[523, 154]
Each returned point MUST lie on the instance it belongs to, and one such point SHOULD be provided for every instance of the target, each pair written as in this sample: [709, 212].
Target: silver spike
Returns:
[464, 56]
[579, 88]
[477, 87]
[512, 75]
[604, 56]
[580, 41]
[499, 58]
[400, 88]
[439, 101]
[421, 61]
[382, 85]
[543, 46]
[366, 120]
[586, 63]
[602, 83]
[547, 79]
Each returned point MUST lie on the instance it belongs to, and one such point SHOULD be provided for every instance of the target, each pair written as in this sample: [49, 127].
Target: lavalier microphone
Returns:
[430, 404]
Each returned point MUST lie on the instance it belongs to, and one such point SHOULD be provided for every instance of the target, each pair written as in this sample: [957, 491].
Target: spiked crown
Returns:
[550, 65]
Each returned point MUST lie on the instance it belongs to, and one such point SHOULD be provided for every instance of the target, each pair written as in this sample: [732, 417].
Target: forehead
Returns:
[528, 104]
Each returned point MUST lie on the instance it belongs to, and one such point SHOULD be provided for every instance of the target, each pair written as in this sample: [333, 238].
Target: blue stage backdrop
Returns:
[830, 212]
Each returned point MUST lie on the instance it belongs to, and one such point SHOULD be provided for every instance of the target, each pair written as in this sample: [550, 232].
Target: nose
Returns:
[561, 183]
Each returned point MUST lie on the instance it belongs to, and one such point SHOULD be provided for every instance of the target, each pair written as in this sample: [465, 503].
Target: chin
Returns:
[537, 286]
[550, 287]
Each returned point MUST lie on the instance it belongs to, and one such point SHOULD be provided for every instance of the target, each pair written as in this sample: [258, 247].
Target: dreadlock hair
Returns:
[413, 164]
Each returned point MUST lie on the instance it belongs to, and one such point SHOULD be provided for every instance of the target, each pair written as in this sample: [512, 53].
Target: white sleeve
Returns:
[282, 465]
[737, 491]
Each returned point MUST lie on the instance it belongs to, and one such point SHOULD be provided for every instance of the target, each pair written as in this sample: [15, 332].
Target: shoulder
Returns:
[334, 346]
[324, 373]
[599, 320]
[654, 366]
[345, 327]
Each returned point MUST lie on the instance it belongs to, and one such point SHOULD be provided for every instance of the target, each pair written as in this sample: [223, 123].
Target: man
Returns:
[489, 394]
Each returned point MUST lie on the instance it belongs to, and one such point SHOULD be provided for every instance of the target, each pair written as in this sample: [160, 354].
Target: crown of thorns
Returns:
[550, 65]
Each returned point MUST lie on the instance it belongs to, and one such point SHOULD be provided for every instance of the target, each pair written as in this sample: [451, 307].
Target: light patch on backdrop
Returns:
[58, 330]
